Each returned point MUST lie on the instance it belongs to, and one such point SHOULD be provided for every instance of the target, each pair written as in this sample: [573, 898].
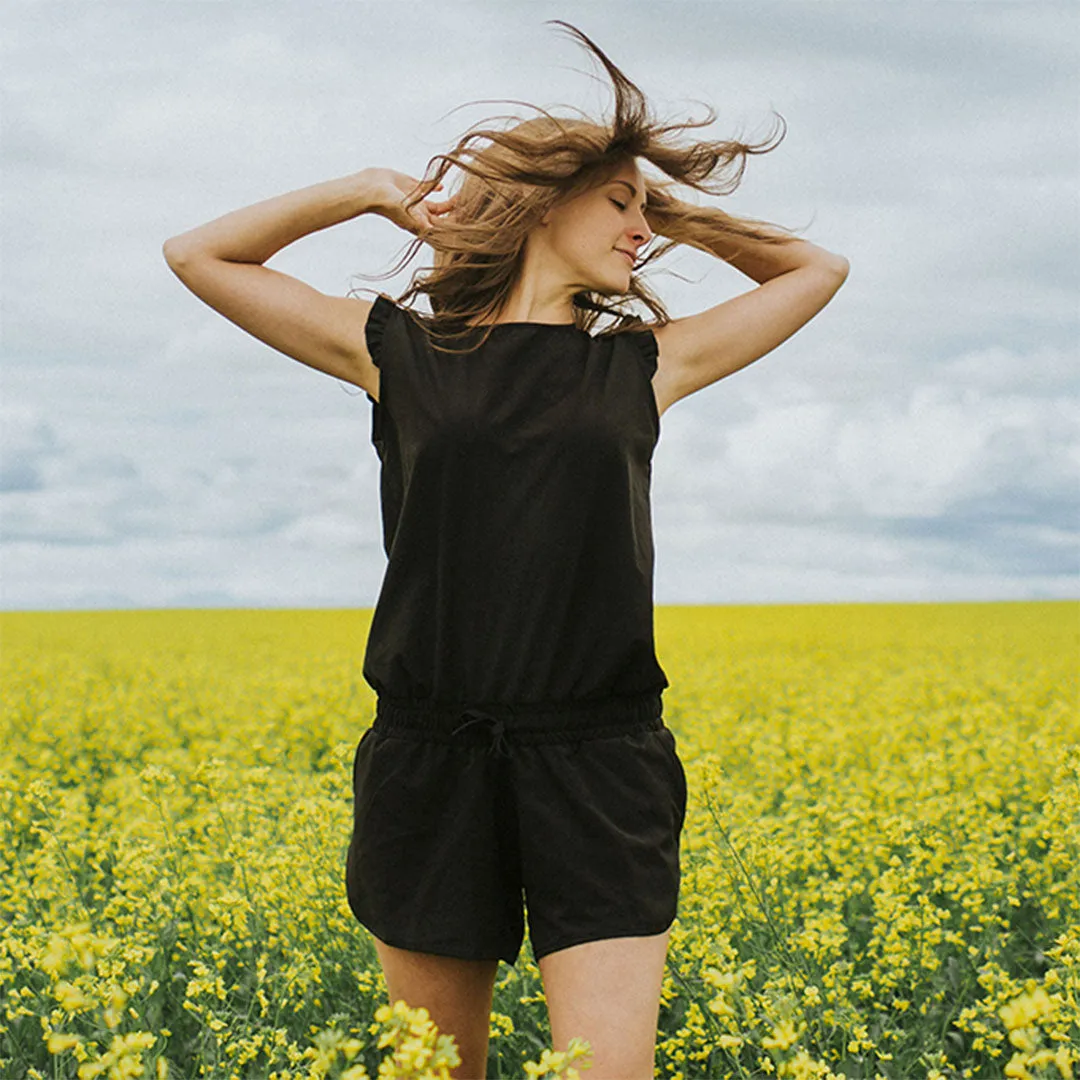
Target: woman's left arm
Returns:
[796, 279]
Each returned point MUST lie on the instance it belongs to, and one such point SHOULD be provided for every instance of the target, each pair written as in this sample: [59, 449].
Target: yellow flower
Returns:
[500, 1025]
[114, 1011]
[1063, 1061]
[56, 957]
[58, 1042]
[1022, 1040]
[1026, 1009]
[71, 998]
[783, 1036]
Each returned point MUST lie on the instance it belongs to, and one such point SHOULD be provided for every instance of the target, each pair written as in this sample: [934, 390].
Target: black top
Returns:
[516, 518]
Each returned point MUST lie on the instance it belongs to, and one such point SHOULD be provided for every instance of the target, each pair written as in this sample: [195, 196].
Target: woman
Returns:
[518, 747]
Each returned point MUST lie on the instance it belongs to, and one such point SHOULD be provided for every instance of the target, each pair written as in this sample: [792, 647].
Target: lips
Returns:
[630, 258]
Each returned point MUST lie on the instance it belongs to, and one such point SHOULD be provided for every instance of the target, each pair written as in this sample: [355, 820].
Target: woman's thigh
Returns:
[608, 992]
[456, 993]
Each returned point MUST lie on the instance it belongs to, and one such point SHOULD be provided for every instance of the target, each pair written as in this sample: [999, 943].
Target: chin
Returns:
[621, 289]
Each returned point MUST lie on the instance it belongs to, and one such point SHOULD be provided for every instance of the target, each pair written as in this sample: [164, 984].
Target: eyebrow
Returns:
[633, 190]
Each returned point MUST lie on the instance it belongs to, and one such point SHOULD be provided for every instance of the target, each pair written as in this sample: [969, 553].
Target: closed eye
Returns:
[621, 206]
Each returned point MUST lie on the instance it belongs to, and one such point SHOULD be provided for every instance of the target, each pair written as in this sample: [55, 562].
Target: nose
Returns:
[641, 233]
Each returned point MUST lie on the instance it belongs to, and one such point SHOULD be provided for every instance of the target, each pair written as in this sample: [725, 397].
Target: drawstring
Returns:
[498, 730]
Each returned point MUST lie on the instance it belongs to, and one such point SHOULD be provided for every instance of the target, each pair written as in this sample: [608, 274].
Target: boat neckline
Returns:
[494, 326]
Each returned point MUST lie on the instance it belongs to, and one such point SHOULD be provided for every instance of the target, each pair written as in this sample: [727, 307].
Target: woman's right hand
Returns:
[388, 191]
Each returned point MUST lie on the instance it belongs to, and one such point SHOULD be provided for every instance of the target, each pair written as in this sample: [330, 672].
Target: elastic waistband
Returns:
[526, 724]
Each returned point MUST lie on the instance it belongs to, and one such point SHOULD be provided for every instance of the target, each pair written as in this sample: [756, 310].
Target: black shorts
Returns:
[460, 815]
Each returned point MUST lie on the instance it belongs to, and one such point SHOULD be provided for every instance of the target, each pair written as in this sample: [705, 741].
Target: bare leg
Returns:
[456, 993]
[609, 993]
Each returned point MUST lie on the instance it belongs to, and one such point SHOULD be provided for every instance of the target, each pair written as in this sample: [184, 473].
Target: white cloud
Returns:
[917, 457]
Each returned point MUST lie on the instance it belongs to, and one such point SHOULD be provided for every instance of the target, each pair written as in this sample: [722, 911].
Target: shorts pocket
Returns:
[676, 771]
[356, 755]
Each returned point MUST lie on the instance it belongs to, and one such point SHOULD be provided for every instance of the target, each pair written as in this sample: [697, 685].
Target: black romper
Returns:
[518, 745]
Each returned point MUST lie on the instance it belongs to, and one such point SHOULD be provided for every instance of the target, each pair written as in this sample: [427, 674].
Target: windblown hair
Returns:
[538, 163]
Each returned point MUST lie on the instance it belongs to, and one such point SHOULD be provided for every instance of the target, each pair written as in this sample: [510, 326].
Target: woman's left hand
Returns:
[427, 213]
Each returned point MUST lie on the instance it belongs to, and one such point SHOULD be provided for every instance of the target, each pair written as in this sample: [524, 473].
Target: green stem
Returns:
[63, 855]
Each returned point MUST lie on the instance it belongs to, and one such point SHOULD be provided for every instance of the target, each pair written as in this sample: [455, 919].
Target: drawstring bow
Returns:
[499, 743]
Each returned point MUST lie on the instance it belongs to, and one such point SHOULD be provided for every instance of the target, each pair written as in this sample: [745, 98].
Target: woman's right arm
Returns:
[221, 263]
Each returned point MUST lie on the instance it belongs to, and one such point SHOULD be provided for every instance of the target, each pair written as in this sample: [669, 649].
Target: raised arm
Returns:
[221, 263]
[796, 279]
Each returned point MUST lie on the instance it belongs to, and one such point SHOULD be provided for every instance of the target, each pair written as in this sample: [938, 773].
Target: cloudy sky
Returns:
[918, 440]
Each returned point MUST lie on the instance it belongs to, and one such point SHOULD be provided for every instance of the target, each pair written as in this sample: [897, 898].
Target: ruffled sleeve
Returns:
[648, 350]
[644, 348]
[376, 326]
[374, 332]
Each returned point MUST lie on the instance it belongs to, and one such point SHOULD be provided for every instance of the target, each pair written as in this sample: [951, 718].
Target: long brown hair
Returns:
[537, 163]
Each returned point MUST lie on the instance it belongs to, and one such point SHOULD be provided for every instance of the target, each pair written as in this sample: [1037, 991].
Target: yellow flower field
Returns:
[881, 858]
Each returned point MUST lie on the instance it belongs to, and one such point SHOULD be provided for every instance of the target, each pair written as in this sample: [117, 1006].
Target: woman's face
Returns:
[593, 239]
